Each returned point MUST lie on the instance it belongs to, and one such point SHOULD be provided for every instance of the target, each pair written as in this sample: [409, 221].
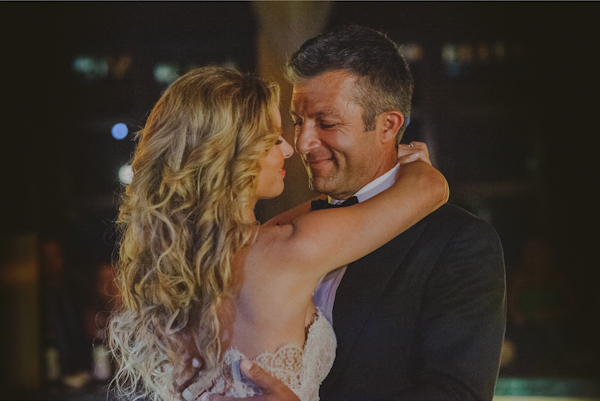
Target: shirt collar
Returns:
[373, 188]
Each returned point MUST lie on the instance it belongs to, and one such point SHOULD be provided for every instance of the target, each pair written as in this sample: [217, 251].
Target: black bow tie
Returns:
[323, 204]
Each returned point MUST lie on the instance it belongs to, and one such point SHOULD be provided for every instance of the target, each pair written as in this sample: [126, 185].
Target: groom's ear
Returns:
[387, 125]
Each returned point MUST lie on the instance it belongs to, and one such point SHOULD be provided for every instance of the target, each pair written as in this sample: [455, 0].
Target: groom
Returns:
[422, 317]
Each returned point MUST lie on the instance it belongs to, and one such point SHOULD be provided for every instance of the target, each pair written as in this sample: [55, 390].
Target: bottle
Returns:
[51, 355]
[102, 363]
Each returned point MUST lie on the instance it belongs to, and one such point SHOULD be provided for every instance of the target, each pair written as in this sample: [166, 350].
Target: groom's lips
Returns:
[319, 164]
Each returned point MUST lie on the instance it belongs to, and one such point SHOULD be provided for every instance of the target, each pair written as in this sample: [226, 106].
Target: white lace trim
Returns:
[302, 370]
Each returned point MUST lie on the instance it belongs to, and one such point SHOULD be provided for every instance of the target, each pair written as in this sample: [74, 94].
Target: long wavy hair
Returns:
[182, 219]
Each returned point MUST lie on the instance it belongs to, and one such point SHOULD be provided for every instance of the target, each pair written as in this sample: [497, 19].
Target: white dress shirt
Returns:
[324, 294]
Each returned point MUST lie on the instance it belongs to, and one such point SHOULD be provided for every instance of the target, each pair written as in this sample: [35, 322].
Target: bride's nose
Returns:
[287, 149]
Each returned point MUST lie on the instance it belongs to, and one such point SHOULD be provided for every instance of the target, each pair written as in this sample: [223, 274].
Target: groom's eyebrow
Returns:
[328, 113]
[321, 113]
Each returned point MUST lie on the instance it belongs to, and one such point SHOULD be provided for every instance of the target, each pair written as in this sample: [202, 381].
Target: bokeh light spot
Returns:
[126, 174]
[165, 73]
[119, 131]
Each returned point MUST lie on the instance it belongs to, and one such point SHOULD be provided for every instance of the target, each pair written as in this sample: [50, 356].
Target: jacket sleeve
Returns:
[461, 327]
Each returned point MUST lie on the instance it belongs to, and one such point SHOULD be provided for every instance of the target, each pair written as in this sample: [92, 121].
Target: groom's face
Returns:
[339, 155]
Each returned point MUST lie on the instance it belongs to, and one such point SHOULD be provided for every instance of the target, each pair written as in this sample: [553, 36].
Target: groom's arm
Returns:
[463, 320]
[273, 389]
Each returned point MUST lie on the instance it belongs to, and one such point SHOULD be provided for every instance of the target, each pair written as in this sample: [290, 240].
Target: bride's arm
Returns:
[325, 239]
[406, 154]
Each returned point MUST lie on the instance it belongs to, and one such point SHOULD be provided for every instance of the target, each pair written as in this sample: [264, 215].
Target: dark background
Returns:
[517, 138]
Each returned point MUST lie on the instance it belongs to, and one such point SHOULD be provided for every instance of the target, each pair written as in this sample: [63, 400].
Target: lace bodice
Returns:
[302, 370]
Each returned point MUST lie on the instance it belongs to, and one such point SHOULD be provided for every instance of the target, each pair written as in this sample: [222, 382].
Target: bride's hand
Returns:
[413, 152]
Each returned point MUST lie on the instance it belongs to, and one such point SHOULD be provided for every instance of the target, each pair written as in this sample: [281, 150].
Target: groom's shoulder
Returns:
[450, 219]
[451, 213]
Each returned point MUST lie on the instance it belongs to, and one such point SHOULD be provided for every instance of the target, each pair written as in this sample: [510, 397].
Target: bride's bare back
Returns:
[265, 309]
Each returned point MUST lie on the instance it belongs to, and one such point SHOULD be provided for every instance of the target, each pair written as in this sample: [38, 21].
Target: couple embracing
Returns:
[393, 295]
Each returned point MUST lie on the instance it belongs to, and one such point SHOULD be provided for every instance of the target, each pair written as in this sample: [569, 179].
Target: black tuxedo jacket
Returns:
[423, 317]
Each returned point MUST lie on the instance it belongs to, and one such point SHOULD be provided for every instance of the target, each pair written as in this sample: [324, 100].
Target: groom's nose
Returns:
[307, 138]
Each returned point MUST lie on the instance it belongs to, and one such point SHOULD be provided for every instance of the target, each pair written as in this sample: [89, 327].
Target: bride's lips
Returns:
[281, 171]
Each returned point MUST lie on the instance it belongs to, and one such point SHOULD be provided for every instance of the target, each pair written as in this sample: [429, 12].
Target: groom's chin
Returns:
[318, 184]
[312, 185]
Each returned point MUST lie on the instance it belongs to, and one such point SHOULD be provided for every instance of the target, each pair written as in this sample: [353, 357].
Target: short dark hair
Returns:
[384, 81]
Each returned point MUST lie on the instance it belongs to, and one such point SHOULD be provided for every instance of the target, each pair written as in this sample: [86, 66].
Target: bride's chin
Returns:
[276, 194]
[272, 195]
[278, 191]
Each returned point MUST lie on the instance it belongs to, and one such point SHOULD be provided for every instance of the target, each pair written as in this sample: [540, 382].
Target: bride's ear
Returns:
[387, 125]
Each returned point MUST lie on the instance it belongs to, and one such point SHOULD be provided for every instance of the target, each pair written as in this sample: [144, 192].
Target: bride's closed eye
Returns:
[279, 141]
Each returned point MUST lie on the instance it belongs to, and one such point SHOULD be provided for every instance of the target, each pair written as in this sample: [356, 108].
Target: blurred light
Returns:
[126, 174]
[453, 69]
[83, 64]
[412, 52]
[499, 50]
[165, 73]
[518, 50]
[90, 67]
[120, 66]
[483, 52]
[231, 64]
[507, 353]
[119, 131]
[449, 53]
[465, 53]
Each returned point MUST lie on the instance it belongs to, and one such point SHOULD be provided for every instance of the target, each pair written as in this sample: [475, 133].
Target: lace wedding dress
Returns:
[302, 370]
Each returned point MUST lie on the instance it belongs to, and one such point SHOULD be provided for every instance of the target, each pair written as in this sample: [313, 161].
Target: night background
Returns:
[506, 97]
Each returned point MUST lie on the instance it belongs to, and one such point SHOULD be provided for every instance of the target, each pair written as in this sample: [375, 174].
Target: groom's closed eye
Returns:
[327, 126]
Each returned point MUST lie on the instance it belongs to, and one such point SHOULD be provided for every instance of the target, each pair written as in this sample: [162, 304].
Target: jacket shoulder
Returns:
[451, 219]
[452, 212]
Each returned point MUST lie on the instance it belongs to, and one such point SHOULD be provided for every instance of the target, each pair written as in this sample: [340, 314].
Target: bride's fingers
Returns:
[414, 156]
[414, 151]
[409, 158]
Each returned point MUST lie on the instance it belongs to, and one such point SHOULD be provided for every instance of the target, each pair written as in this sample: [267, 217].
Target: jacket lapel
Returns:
[359, 290]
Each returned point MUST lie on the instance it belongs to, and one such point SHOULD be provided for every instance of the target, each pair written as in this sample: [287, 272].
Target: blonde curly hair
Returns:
[182, 219]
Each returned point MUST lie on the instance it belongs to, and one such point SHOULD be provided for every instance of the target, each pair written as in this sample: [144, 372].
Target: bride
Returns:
[198, 274]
